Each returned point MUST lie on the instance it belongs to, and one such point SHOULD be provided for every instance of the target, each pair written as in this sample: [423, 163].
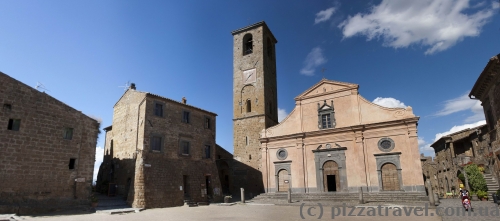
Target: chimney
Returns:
[184, 100]
[132, 86]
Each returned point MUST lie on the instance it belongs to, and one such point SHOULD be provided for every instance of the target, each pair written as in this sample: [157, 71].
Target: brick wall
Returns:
[34, 171]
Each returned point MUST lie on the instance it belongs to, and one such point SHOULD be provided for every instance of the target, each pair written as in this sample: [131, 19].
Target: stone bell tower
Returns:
[255, 100]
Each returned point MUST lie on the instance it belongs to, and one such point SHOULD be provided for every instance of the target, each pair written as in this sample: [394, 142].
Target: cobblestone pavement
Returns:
[482, 211]
[254, 211]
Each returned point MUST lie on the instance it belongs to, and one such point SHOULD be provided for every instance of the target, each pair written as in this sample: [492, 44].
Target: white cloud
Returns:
[434, 24]
[459, 128]
[281, 114]
[388, 102]
[324, 15]
[313, 60]
[99, 154]
[425, 147]
[463, 103]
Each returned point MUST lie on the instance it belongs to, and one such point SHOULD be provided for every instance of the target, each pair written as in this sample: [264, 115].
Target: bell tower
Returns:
[255, 100]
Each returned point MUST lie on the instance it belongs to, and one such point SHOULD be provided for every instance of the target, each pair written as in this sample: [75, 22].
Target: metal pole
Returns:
[361, 201]
[289, 195]
[242, 195]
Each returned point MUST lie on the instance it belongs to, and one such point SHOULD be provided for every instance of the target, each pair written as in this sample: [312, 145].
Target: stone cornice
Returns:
[331, 149]
[241, 118]
[261, 23]
[350, 129]
[486, 79]
[385, 154]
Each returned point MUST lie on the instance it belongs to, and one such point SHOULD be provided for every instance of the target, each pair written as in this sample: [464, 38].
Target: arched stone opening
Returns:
[331, 178]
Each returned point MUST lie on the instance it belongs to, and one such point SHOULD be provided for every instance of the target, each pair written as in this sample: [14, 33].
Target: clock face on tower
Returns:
[249, 76]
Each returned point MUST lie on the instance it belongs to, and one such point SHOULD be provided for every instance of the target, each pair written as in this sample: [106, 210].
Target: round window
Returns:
[282, 154]
[386, 144]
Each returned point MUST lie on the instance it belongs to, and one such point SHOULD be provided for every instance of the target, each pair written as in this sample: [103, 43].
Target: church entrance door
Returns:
[283, 181]
[331, 176]
[390, 179]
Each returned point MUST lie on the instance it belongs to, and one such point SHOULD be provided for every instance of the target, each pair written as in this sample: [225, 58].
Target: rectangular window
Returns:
[185, 147]
[159, 110]
[185, 117]
[156, 143]
[207, 123]
[72, 163]
[207, 151]
[7, 106]
[68, 133]
[325, 121]
[14, 124]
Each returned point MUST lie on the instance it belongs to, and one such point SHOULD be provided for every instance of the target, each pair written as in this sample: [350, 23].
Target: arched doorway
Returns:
[390, 180]
[331, 178]
[224, 172]
[283, 181]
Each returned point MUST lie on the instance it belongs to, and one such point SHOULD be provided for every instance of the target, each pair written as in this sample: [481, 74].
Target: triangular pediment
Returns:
[326, 86]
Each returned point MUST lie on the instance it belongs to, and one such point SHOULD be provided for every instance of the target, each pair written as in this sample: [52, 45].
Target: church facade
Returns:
[336, 141]
[333, 141]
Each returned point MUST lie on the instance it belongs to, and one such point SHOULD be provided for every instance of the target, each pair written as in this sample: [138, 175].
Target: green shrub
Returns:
[475, 178]
[498, 192]
[482, 194]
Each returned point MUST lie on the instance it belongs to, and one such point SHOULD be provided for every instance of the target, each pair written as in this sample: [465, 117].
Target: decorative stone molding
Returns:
[321, 156]
[385, 158]
[386, 144]
[283, 165]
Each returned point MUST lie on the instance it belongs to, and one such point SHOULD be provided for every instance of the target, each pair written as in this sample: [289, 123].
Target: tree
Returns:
[476, 179]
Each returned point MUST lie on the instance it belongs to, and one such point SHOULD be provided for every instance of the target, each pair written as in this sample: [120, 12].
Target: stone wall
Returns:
[261, 92]
[35, 174]
[150, 178]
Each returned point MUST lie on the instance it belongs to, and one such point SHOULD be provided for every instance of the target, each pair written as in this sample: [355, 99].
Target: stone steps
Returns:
[371, 197]
[491, 184]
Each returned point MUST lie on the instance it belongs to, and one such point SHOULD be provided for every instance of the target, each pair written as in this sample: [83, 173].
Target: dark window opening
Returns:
[247, 44]
[185, 117]
[72, 163]
[489, 119]
[159, 110]
[68, 133]
[218, 157]
[326, 121]
[207, 151]
[14, 124]
[156, 143]
[207, 123]
[249, 106]
[246, 141]
[250, 156]
[185, 147]
[7, 106]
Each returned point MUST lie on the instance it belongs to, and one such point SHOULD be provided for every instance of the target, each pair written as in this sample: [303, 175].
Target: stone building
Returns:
[47, 151]
[487, 90]
[159, 152]
[453, 152]
[254, 102]
[429, 171]
[334, 140]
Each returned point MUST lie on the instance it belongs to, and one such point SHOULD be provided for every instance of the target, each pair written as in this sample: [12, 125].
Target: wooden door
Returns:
[283, 181]
[331, 168]
[390, 179]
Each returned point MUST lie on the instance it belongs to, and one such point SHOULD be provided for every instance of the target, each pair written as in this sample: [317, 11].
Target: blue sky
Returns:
[425, 54]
